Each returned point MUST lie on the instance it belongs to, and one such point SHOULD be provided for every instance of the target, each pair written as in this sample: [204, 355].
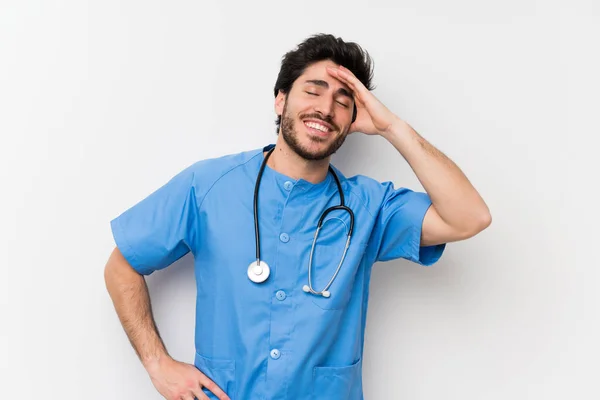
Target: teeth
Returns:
[320, 127]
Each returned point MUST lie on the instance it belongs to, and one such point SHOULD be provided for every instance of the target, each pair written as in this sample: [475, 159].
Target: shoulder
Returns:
[376, 195]
[203, 174]
[370, 192]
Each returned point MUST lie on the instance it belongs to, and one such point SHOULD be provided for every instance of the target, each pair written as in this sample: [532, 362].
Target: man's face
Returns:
[316, 114]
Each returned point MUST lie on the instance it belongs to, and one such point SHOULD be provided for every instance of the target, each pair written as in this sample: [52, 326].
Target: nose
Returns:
[325, 107]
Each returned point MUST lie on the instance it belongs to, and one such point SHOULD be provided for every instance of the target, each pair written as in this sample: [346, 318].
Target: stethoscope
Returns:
[259, 271]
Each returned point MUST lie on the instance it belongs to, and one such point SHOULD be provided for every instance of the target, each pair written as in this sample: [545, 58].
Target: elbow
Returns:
[485, 220]
[477, 225]
[482, 222]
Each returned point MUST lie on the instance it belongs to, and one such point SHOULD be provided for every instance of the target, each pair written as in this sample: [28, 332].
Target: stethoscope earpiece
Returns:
[324, 293]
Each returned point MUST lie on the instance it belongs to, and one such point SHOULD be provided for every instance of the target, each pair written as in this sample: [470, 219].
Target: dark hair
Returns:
[321, 47]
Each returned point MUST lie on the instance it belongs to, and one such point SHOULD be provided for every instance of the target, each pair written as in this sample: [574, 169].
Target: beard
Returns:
[290, 135]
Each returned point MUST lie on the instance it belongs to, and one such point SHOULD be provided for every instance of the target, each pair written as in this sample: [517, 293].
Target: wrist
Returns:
[153, 364]
[398, 129]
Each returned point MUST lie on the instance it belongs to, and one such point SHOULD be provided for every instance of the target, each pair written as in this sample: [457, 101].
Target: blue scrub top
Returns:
[272, 340]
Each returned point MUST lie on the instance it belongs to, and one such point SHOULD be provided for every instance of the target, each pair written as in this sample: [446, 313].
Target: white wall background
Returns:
[102, 102]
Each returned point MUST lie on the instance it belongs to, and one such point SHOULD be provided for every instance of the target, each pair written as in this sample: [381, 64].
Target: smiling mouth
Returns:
[318, 128]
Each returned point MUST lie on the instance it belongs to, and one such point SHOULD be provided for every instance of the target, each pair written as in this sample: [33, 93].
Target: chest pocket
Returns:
[328, 252]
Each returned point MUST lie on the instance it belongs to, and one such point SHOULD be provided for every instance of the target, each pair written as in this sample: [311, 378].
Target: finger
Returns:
[346, 76]
[216, 390]
[199, 394]
[361, 93]
[339, 75]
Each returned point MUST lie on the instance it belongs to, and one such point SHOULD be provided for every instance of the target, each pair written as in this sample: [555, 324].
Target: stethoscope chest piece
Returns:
[258, 272]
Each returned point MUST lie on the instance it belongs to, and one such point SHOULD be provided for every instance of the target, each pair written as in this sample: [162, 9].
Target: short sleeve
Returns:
[398, 227]
[161, 228]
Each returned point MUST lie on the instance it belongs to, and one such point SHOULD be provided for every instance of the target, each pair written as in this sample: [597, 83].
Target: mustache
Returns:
[329, 120]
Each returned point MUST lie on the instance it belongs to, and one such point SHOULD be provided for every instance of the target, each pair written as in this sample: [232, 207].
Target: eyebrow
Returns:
[321, 83]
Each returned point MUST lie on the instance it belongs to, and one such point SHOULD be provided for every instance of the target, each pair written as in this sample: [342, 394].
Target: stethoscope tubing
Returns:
[341, 206]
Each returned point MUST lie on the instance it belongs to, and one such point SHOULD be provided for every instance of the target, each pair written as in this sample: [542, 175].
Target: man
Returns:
[276, 317]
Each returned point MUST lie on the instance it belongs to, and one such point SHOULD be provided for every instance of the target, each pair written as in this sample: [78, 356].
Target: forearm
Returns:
[455, 199]
[129, 293]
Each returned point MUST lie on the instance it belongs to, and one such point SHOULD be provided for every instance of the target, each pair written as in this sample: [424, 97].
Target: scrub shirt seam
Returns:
[362, 202]
[367, 240]
[221, 176]
[344, 181]
[278, 252]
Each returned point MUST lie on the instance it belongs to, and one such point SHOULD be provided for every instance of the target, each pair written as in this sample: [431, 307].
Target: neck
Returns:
[285, 161]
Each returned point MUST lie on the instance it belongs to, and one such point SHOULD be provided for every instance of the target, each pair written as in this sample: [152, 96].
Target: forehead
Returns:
[318, 71]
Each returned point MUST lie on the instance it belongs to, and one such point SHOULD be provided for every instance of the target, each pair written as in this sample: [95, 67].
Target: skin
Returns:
[173, 379]
[324, 93]
[458, 212]
[310, 101]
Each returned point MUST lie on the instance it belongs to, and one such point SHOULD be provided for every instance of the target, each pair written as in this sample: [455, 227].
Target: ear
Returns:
[279, 103]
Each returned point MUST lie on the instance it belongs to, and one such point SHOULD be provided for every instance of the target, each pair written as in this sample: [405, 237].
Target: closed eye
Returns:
[316, 94]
